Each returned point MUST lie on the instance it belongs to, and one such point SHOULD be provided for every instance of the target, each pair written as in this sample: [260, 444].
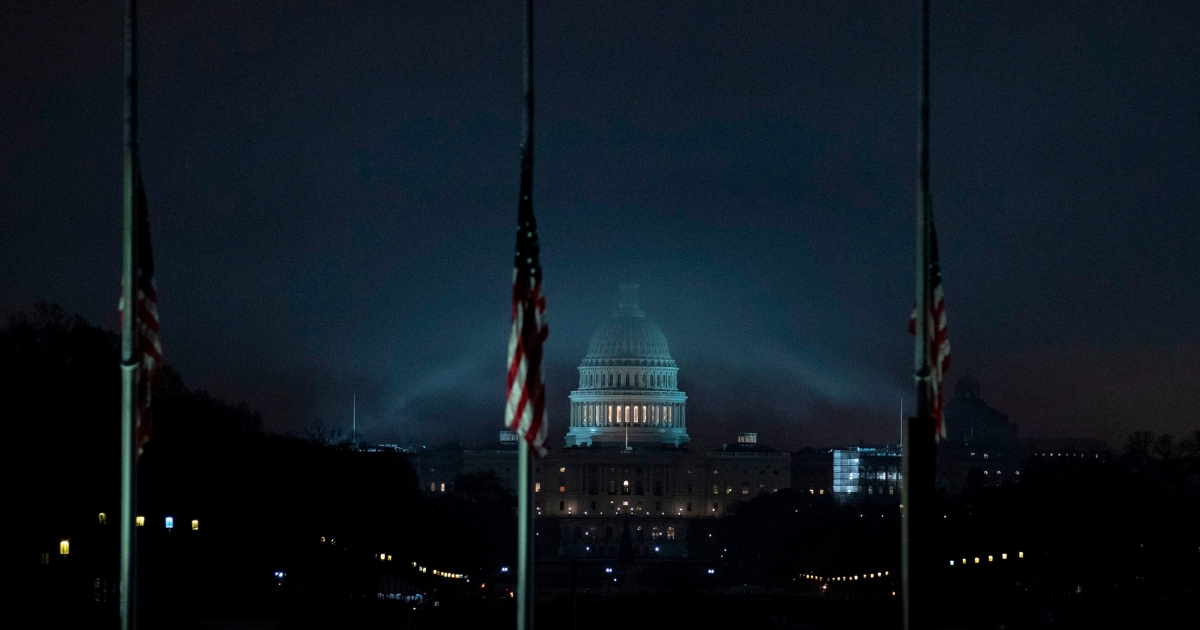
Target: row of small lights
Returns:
[868, 576]
[64, 545]
[168, 522]
[845, 578]
[1003, 556]
[387, 557]
[445, 574]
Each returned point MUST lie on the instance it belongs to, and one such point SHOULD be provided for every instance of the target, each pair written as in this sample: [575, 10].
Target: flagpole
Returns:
[129, 362]
[919, 445]
[524, 539]
[525, 529]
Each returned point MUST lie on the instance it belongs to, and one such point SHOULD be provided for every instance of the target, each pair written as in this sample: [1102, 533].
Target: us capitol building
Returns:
[626, 484]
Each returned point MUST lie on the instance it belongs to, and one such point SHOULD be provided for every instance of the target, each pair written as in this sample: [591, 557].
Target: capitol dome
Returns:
[628, 381]
[628, 337]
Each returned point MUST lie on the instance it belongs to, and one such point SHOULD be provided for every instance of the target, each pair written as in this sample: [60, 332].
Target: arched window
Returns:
[635, 415]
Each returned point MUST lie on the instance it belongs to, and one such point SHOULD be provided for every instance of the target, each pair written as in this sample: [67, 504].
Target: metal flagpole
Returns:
[920, 448]
[525, 529]
[129, 343]
[524, 538]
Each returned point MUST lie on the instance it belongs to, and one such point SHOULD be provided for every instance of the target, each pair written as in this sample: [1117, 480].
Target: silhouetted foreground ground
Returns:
[1103, 543]
[597, 612]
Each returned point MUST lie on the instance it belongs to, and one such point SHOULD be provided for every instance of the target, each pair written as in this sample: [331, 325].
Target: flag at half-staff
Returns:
[938, 344]
[148, 354]
[525, 411]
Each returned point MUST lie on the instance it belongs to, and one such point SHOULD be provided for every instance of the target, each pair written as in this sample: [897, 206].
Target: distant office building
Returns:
[863, 472]
[981, 447]
[971, 421]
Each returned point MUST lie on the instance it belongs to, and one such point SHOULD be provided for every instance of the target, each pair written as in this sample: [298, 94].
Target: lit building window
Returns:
[195, 525]
[671, 530]
[103, 518]
[537, 486]
[64, 547]
[443, 487]
[140, 521]
[562, 469]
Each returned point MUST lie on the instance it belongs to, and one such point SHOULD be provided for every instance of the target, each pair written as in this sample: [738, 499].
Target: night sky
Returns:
[333, 189]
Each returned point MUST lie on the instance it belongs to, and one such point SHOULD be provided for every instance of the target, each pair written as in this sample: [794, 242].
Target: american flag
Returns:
[525, 411]
[935, 332]
[148, 346]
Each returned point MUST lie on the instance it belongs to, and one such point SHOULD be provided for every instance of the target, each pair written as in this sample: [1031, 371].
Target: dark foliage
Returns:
[313, 509]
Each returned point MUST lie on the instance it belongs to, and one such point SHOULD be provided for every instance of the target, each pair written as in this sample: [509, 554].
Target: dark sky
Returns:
[333, 187]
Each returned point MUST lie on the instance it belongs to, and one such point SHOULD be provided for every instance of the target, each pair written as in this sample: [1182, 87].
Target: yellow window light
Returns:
[976, 560]
[103, 518]
[64, 547]
[196, 527]
[1004, 556]
[141, 521]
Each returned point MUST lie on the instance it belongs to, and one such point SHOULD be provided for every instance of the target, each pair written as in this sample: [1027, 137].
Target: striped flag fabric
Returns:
[939, 343]
[149, 345]
[525, 410]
